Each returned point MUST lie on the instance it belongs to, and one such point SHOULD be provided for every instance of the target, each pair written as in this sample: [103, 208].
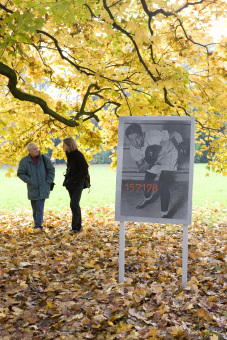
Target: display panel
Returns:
[155, 169]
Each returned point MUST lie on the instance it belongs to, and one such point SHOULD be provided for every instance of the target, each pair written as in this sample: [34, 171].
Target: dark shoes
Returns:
[76, 231]
[41, 228]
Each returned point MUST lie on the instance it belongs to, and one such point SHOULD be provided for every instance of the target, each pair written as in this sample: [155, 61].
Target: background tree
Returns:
[111, 58]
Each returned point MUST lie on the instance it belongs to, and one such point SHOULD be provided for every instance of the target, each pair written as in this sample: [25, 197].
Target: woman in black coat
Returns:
[77, 169]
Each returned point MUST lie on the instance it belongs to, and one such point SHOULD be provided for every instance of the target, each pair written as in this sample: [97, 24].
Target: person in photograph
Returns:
[156, 154]
[38, 176]
[77, 170]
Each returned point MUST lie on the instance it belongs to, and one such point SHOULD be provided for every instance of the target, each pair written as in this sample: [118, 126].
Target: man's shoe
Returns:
[41, 228]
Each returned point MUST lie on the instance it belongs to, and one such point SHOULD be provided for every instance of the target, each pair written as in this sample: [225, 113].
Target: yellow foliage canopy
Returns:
[73, 67]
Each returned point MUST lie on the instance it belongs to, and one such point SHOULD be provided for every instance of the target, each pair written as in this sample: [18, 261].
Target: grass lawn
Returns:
[13, 194]
[210, 189]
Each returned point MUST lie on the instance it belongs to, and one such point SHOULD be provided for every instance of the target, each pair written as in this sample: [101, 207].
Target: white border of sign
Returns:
[121, 203]
[185, 220]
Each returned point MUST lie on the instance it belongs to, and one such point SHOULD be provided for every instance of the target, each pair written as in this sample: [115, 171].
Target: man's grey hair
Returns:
[30, 145]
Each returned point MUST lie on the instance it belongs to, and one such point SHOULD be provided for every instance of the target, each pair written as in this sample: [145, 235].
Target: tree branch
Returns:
[119, 28]
[81, 112]
[126, 99]
[166, 13]
[81, 69]
[6, 9]
[23, 96]
[85, 70]
[92, 114]
[166, 97]
[92, 14]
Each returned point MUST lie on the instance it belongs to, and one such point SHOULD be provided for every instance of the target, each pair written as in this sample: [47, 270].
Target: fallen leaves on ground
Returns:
[55, 285]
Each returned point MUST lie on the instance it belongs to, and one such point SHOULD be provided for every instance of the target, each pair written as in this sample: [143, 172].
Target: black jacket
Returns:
[77, 169]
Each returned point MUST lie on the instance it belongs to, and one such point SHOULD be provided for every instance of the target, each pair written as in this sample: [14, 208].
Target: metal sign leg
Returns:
[122, 252]
[185, 256]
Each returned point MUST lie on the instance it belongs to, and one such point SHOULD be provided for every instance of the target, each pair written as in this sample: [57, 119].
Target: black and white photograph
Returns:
[155, 169]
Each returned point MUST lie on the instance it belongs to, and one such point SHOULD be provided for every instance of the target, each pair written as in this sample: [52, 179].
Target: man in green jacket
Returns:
[38, 176]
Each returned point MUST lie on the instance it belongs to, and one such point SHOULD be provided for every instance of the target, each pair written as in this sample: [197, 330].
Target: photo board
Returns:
[155, 161]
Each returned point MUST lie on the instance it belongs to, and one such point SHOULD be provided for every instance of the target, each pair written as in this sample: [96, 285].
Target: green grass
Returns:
[208, 190]
[13, 194]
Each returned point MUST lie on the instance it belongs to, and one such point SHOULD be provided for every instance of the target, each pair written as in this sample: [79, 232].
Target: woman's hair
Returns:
[70, 142]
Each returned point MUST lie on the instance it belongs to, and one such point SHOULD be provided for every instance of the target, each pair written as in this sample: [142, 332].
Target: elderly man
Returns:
[38, 172]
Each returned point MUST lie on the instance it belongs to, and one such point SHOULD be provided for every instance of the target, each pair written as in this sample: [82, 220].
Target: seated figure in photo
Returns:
[156, 154]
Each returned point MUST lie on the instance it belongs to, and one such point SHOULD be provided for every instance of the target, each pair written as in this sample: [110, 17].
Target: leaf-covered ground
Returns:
[58, 286]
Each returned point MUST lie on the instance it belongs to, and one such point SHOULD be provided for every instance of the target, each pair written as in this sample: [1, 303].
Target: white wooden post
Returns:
[122, 252]
[185, 256]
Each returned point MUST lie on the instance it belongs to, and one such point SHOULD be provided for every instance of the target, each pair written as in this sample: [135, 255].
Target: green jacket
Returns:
[38, 178]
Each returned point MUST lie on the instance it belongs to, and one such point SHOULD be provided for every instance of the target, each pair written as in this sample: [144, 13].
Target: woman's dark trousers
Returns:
[75, 196]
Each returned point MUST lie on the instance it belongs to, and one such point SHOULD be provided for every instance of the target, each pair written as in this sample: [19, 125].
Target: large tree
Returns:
[107, 58]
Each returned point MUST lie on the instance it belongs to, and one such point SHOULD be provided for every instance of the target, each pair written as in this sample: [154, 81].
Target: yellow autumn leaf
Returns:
[24, 264]
[214, 337]
[17, 310]
[44, 279]
[50, 304]
[179, 271]
[190, 306]
[175, 331]
[90, 264]
[23, 284]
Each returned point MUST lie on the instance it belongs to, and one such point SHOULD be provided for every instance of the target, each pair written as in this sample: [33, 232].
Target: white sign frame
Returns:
[186, 127]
